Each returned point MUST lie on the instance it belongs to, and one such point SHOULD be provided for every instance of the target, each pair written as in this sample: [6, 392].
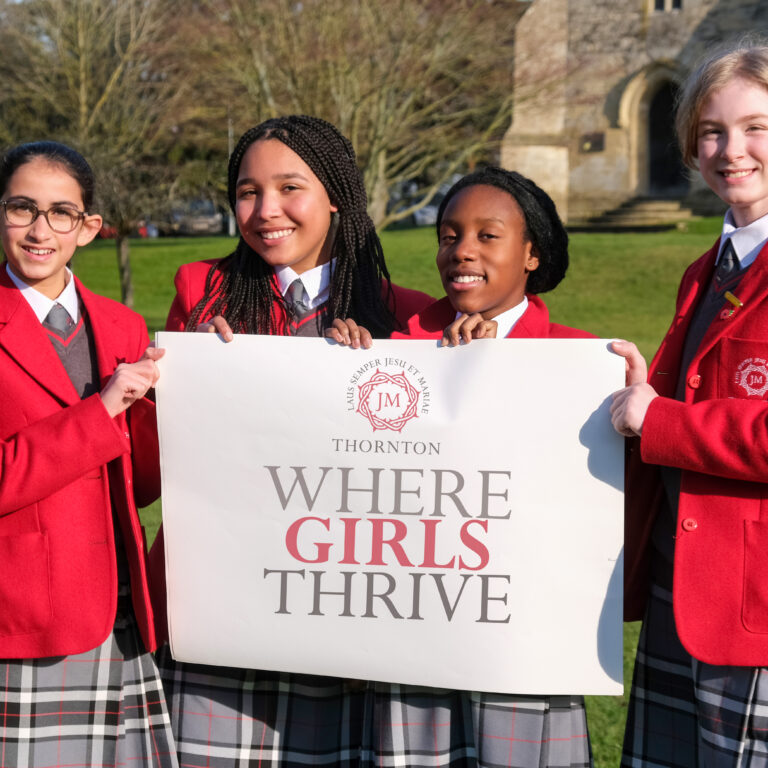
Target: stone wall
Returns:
[586, 72]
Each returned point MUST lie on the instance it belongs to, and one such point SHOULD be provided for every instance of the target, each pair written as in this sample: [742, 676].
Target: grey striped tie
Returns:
[727, 265]
[297, 300]
[59, 319]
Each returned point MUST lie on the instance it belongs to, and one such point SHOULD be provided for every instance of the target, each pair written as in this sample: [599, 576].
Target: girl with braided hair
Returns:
[308, 252]
[300, 205]
[500, 244]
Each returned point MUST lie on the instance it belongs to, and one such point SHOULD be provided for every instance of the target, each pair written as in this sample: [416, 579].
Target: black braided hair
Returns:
[240, 286]
[543, 227]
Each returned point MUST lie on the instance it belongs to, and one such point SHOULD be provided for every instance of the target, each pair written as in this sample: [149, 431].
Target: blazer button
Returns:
[690, 524]
[694, 382]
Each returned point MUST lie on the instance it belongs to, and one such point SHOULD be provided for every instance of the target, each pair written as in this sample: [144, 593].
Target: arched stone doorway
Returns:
[666, 172]
[646, 113]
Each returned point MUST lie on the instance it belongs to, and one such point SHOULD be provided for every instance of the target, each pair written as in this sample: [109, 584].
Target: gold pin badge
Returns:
[736, 304]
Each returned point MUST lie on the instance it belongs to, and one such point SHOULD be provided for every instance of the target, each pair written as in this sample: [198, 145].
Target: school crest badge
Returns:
[752, 376]
[388, 401]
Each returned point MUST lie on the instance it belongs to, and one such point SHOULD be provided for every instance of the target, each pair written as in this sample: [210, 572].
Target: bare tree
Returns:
[147, 88]
[422, 88]
[97, 74]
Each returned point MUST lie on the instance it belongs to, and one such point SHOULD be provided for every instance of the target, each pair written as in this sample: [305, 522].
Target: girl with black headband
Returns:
[500, 244]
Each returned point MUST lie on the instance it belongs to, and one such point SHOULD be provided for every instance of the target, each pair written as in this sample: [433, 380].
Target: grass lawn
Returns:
[618, 285]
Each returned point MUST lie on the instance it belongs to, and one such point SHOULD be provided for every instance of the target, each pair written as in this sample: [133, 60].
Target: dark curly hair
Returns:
[56, 154]
[240, 286]
[543, 227]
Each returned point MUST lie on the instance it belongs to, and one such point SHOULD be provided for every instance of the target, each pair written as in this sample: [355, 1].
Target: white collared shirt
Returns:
[507, 320]
[42, 305]
[316, 282]
[747, 241]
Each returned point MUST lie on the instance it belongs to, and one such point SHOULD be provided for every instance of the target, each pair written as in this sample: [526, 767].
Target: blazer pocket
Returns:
[743, 368]
[754, 610]
[25, 591]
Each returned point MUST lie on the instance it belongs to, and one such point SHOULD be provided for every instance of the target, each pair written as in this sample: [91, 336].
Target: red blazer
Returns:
[59, 459]
[718, 437]
[190, 283]
[534, 323]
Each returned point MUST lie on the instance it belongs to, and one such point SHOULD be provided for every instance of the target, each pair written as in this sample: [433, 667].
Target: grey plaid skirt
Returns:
[235, 718]
[101, 708]
[683, 712]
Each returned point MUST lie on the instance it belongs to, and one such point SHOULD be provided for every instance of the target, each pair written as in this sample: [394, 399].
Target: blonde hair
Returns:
[748, 59]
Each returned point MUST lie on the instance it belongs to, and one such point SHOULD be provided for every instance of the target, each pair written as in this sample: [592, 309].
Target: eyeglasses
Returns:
[60, 218]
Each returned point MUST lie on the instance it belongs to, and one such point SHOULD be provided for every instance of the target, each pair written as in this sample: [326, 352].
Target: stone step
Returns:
[646, 215]
[581, 225]
[661, 206]
[643, 211]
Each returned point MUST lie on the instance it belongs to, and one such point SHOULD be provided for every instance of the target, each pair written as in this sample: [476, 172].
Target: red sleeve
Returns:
[142, 425]
[53, 452]
[722, 437]
[405, 302]
[145, 452]
[182, 304]
[156, 570]
[557, 331]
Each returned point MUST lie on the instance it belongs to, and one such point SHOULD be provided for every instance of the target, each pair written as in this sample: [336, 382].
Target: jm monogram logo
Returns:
[752, 376]
[388, 401]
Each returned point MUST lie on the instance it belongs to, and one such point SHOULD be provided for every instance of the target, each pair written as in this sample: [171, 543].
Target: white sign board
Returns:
[449, 517]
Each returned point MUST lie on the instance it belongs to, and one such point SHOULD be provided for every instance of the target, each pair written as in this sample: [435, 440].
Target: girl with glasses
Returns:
[78, 453]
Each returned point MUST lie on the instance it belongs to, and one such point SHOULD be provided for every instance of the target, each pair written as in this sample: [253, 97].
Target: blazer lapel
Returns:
[534, 322]
[24, 339]
[102, 322]
[752, 290]
[665, 368]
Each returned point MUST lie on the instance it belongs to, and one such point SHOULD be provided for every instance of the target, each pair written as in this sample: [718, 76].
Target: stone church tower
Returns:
[595, 82]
